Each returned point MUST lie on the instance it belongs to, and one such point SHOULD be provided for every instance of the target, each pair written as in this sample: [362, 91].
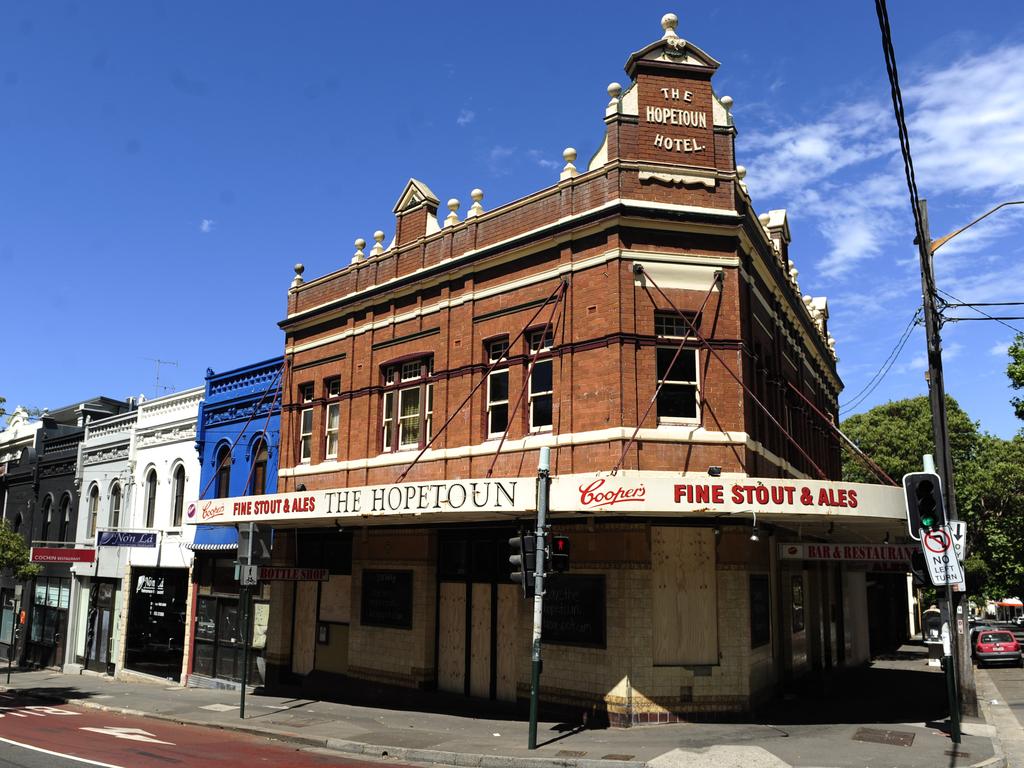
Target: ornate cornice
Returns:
[173, 434]
[105, 455]
[213, 415]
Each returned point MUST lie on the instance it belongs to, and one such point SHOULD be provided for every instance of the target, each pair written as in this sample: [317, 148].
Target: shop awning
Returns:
[213, 537]
[1010, 602]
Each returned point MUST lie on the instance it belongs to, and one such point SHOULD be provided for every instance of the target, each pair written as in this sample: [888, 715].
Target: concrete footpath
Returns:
[882, 715]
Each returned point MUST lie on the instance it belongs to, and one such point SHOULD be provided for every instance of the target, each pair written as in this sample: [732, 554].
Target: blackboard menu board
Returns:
[574, 610]
[387, 599]
[760, 614]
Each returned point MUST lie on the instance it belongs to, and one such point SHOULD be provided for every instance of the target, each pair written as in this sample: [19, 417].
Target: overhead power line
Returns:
[986, 315]
[884, 369]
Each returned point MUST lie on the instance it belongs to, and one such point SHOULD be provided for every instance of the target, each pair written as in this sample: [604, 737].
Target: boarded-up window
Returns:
[685, 599]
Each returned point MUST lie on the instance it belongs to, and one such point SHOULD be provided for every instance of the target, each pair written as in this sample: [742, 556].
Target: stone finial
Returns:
[793, 271]
[669, 22]
[475, 209]
[614, 92]
[359, 256]
[378, 245]
[726, 102]
[741, 172]
[296, 281]
[763, 218]
[453, 217]
[569, 171]
[807, 298]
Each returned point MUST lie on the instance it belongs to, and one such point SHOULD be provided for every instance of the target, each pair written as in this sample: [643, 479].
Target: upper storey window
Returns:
[408, 406]
[679, 398]
[306, 424]
[541, 379]
[333, 417]
[497, 389]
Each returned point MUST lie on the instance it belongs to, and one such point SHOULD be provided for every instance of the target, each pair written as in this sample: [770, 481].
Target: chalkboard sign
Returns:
[387, 599]
[574, 610]
[760, 614]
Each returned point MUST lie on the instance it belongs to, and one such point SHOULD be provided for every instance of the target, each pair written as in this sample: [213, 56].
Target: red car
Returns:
[997, 645]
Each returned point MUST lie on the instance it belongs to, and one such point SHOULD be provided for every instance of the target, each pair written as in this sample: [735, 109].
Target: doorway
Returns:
[475, 598]
[99, 632]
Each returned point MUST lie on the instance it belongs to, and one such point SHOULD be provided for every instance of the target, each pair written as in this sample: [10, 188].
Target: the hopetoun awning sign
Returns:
[125, 539]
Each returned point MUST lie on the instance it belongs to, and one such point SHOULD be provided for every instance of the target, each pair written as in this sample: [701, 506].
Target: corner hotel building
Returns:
[644, 321]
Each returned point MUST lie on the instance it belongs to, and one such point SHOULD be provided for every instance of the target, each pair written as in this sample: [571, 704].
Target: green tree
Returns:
[14, 554]
[1015, 370]
[988, 477]
[897, 434]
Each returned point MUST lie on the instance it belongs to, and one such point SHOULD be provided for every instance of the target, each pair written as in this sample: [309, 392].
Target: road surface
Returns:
[34, 734]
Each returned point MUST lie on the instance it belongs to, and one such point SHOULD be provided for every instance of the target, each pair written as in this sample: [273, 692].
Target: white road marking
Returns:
[60, 754]
[132, 734]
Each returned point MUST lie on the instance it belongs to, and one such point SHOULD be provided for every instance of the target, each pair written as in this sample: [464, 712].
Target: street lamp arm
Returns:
[939, 242]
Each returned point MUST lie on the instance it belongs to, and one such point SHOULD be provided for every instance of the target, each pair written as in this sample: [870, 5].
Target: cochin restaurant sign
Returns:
[451, 497]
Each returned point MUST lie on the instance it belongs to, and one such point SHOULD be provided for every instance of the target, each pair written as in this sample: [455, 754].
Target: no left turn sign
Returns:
[937, 542]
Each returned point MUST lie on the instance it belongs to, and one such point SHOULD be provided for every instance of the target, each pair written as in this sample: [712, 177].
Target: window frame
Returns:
[223, 462]
[65, 517]
[332, 391]
[661, 319]
[150, 502]
[47, 516]
[539, 345]
[178, 496]
[402, 377]
[260, 461]
[94, 508]
[497, 352]
[114, 511]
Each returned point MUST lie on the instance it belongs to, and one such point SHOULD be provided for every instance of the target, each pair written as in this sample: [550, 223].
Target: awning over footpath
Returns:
[215, 537]
[1010, 602]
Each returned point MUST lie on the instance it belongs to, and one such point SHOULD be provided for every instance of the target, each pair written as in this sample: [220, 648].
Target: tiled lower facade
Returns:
[654, 623]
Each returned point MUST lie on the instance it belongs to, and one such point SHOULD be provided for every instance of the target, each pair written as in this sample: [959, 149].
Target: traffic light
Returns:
[923, 492]
[919, 569]
[558, 551]
[524, 561]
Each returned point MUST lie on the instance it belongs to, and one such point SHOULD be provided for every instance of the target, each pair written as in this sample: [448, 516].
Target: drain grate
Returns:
[569, 753]
[618, 757]
[879, 736]
[958, 755]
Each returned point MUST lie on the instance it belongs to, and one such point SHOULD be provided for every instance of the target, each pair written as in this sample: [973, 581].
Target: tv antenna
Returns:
[157, 391]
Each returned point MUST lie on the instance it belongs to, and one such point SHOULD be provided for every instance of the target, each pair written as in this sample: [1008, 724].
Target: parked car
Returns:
[997, 645]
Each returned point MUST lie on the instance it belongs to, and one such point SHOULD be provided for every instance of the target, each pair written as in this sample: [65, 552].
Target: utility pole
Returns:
[543, 479]
[944, 464]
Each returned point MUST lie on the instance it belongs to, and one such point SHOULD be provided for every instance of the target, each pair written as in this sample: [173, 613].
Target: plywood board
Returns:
[304, 646]
[509, 597]
[451, 661]
[685, 596]
[480, 644]
[336, 599]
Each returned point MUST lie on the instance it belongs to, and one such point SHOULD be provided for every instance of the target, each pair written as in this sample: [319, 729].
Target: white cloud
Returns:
[544, 162]
[1001, 349]
[466, 116]
[965, 123]
[206, 226]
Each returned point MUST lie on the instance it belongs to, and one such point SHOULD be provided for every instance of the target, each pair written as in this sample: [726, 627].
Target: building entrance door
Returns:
[475, 599]
[156, 621]
[100, 630]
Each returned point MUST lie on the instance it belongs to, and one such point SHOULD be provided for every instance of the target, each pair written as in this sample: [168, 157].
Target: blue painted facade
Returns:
[241, 407]
[240, 413]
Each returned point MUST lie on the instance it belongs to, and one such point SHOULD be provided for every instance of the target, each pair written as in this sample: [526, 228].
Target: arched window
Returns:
[223, 472]
[179, 495]
[16, 525]
[259, 469]
[115, 506]
[94, 508]
[47, 517]
[151, 498]
[65, 517]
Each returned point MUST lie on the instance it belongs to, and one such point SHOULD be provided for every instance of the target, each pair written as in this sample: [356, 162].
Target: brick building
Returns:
[641, 320]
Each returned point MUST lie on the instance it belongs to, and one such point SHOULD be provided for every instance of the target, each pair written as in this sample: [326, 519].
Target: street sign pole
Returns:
[543, 479]
[245, 646]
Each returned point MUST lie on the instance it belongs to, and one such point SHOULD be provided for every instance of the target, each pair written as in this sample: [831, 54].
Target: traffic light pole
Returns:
[543, 479]
[964, 679]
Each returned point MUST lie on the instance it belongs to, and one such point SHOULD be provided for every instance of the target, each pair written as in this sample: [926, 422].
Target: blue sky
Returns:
[164, 164]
